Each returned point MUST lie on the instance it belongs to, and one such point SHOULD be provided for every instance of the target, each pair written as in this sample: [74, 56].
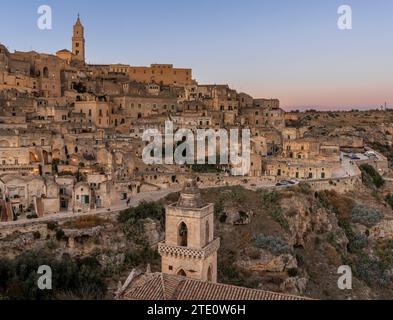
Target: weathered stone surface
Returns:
[152, 233]
[269, 263]
[295, 286]
[238, 217]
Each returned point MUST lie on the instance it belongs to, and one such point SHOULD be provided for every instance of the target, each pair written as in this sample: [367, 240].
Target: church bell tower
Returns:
[190, 248]
[78, 42]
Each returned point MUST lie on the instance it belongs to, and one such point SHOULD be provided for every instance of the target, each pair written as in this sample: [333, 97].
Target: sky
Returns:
[285, 49]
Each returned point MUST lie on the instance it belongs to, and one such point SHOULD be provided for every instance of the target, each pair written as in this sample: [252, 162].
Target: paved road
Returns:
[347, 169]
[148, 196]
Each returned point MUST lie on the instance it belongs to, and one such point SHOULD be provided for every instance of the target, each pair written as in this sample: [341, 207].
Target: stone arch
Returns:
[182, 273]
[207, 232]
[45, 72]
[182, 235]
[210, 274]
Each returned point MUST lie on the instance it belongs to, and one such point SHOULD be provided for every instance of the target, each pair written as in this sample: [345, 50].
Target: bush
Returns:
[52, 226]
[145, 210]
[371, 177]
[305, 188]
[143, 256]
[369, 270]
[359, 242]
[389, 200]
[81, 278]
[270, 201]
[238, 194]
[85, 222]
[36, 235]
[274, 244]
[60, 235]
[366, 216]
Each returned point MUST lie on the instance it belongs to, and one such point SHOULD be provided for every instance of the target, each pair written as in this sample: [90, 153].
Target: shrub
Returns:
[359, 242]
[274, 244]
[305, 188]
[81, 278]
[389, 200]
[369, 270]
[366, 216]
[52, 226]
[145, 210]
[238, 194]
[60, 235]
[36, 235]
[86, 222]
[293, 272]
[219, 208]
[270, 201]
[137, 257]
[371, 177]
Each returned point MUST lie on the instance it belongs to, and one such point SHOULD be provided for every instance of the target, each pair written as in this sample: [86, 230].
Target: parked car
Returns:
[284, 183]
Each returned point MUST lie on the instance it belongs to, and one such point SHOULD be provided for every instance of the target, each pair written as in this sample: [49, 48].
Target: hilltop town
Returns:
[71, 156]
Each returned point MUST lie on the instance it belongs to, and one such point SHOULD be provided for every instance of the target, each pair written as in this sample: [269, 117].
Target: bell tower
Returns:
[78, 41]
[190, 248]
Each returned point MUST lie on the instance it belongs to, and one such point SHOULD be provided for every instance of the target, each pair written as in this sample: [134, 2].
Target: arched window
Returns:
[182, 235]
[210, 274]
[182, 273]
[207, 232]
[45, 72]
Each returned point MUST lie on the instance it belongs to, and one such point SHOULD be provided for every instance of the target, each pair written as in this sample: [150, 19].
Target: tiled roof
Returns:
[159, 286]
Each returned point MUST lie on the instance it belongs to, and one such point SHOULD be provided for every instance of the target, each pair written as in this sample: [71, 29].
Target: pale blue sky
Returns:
[287, 49]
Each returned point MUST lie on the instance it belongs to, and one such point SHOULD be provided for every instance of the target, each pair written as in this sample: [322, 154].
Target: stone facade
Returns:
[190, 248]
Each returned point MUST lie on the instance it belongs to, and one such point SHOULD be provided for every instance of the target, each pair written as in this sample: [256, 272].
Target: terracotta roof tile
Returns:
[159, 286]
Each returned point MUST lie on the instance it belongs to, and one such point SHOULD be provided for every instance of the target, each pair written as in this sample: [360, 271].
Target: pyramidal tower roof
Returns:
[78, 21]
[190, 196]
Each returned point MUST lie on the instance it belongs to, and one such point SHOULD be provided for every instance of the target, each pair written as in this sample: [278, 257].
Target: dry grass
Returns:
[85, 222]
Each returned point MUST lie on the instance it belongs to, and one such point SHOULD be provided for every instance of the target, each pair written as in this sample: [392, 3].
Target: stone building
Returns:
[190, 248]
[78, 42]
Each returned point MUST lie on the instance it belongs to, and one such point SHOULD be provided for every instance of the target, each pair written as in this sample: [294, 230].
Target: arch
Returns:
[182, 235]
[210, 274]
[207, 232]
[182, 273]
[45, 72]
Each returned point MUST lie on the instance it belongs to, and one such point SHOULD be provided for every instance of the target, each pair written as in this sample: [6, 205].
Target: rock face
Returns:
[295, 286]
[269, 263]
[76, 233]
[238, 217]
[152, 232]
[306, 220]
[383, 230]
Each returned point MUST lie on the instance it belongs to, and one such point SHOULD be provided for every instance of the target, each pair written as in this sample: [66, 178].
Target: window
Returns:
[207, 232]
[182, 273]
[183, 235]
[85, 199]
